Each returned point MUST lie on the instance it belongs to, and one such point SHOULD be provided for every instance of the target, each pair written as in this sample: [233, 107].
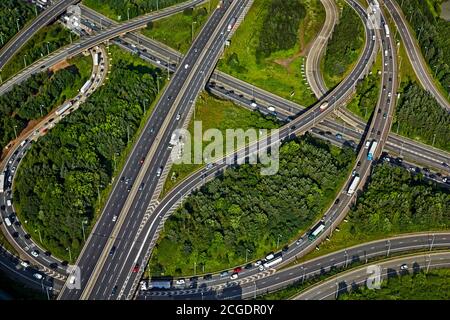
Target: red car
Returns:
[237, 270]
[142, 160]
[136, 268]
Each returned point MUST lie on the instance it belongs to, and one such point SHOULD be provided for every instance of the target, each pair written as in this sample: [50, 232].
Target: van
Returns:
[8, 203]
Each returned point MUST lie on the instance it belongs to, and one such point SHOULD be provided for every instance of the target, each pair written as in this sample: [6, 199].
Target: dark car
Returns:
[285, 248]
[358, 164]
[141, 186]
[113, 249]
[248, 266]
[27, 236]
[15, 234]
[207, 277]
[136, 268]
[114, 290]
[336, 201]
[53, 265]
[64, 263]
[378, 132]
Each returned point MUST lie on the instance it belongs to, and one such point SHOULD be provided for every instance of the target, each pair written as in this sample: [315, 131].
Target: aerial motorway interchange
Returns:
[116, 257]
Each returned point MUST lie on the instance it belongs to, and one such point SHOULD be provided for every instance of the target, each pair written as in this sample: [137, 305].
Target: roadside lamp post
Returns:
[48, 50]
[246, 255]
[40, 107]
[70, 254]
[39, 232]
[15, 132]
[434, 138]
[25, 60]
[157, 82]
[278, 241]
[128, 13]
[17, 22]
[1, 37]
[85, 221]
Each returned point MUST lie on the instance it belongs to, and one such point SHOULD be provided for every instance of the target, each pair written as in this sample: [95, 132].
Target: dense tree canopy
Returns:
[345, 43]
[59, 180]
[280, 26]
[135, 7]
[10, 12]
[396, 202]
[243, 210]
[432, 33]
[25, 101]
[418, 115]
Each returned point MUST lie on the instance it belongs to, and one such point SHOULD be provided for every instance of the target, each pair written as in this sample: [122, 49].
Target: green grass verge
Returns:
[279, 73]
[55, 35]
[220, 114]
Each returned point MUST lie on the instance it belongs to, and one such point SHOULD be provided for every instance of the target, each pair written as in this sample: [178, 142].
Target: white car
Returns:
[72, 279]
[35, 253]
[299, 241]
[234, 276]
[404, 267]
[178, 117]
[180, 282]
[257, 263]
[186, 66]
[24, 264]
[254, 105]
[114, 219]
[367, 145]
[261, 268]
[270, 256]
[37, 276]
[8, 203]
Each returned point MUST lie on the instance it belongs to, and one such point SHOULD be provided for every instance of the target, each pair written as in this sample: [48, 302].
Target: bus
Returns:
[371, 152]
[353, 185]
[314, 232]
[63, 108]
[2, 182]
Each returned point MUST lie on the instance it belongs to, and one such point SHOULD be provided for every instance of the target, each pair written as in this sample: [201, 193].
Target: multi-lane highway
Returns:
[17, 42]
[23, 272]
[15, 232]
[344, 283]
[300, 124]
[144, 239]
[130, 208]
[89, 42]
[244, 94]
[253, 282]
[415, 56]
[134, 239]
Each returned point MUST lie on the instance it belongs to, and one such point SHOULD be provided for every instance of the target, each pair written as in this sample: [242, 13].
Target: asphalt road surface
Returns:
[17, 42]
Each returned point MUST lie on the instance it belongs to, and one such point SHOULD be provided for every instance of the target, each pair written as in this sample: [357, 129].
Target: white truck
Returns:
[353, 185]
[63, 108]
[272, 262]
[2, 182]
[85, 86]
